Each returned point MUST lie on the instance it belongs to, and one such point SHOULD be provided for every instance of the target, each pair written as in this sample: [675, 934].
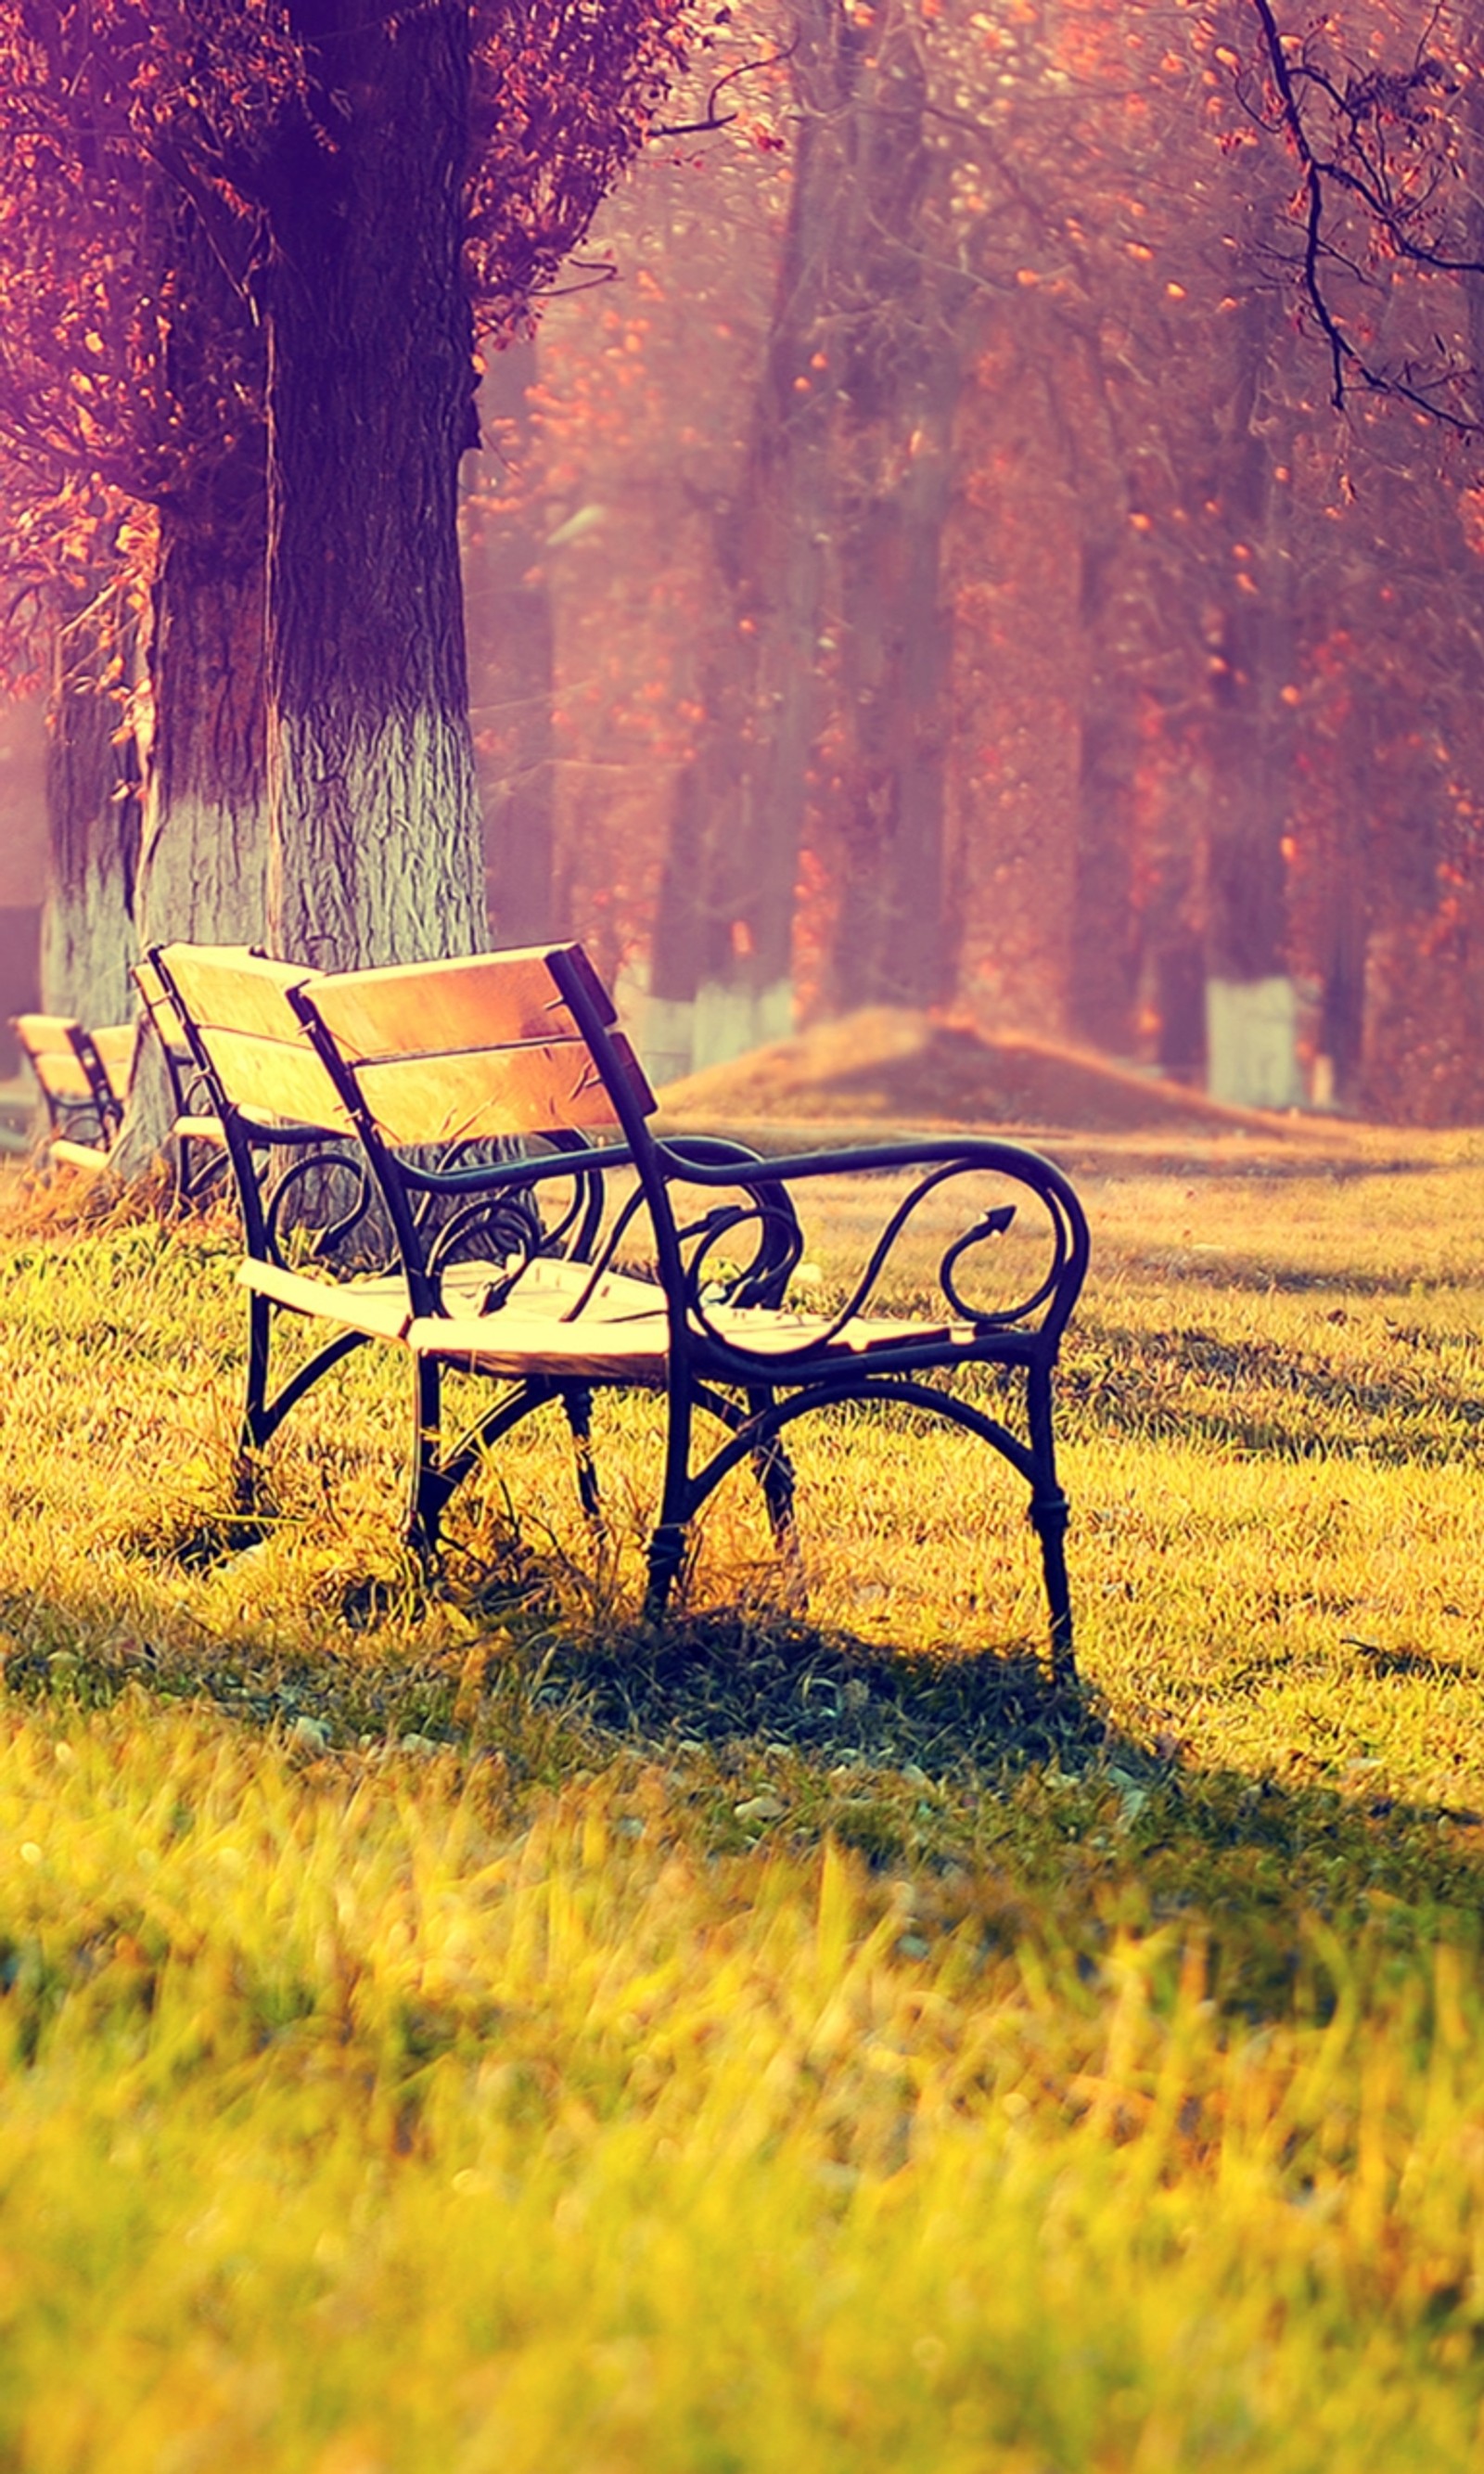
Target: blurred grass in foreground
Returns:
[473, 2035]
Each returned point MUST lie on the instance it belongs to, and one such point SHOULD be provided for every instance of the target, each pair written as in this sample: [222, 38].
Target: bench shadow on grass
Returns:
[742, 1675]
[1005, 1798]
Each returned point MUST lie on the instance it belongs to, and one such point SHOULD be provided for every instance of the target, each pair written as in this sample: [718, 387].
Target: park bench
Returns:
[85, 1078]
[200, 1141]
[426, 1076]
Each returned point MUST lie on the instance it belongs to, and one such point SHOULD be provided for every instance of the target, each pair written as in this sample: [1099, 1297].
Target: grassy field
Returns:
[463, 2032]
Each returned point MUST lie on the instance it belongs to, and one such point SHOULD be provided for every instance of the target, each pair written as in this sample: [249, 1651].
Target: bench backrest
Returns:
[431, 1053]
[116, 1046]
[233, 1008]
[164, 1021]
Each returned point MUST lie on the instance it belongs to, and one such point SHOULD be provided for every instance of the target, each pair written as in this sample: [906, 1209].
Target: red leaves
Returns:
[563, 99]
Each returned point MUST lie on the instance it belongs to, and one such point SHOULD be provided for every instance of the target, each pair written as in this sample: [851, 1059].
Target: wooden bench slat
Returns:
[83, 1155]
[494, 1091]
[52, 1055]
[118, 1044]
[378, 1306]
[274, 1080]
[437, 1008]
[464, 1051]
[262, 1054]
[60, 1075]
[626, 1340]
[636, 1350]
[162, 1012]
[551, 1285]
[225, 986]
[45, 1030]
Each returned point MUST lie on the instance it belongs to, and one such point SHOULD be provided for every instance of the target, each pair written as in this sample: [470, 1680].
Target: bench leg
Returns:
[577, 1401]
[1049, 1516]
[666, 1548]
[254, 1406]
[775, 1476]
[256, 1427]
[429, 1486]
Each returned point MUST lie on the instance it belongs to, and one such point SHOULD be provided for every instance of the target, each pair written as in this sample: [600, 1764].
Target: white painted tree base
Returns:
[730, 1020]
[679, 1038]
[1251, 1043]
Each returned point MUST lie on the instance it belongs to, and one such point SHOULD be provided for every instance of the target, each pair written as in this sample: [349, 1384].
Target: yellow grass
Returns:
[463, 2041]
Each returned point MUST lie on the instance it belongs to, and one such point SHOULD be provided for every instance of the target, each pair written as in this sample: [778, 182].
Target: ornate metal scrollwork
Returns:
[326, 1236]
[748, 1288]
[996, 1224]
[509, 1231]
[763, 1278]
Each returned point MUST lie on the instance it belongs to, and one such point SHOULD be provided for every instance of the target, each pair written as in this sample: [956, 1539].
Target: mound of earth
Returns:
[904, 1068]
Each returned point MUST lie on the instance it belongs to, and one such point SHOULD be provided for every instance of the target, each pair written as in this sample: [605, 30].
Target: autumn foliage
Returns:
[1211, 697]
[136, 142]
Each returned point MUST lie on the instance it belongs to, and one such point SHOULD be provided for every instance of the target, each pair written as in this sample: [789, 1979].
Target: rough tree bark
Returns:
[203, 873]
[92, 801]
[374, 851]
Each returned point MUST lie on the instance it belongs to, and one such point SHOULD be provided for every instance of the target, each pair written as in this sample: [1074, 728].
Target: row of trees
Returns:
[965, 588]
[938, 572]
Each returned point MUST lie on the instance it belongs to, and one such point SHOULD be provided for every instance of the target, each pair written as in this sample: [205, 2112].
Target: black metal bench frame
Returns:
[720, 1358]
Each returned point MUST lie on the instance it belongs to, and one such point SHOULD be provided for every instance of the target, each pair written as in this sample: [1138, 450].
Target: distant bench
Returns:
[83, 1080]
[427, 1076]
[84, 1077]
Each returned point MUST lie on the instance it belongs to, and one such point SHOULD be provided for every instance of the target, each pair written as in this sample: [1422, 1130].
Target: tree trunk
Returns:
[1102, 981]
[723, 966]
[375, 825]
[898, 351]
[204, 866]
[1252, 661]
[511, 654]
[92, 801]
[832, 629]
[891, 942]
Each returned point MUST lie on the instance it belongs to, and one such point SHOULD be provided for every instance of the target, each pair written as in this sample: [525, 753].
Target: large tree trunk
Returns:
[374, 824]
[892, 941]
[723, 965]
[1102, 981]
[203, 871]
[831, 630]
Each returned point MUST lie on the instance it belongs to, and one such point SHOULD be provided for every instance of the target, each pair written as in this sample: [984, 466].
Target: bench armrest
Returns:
[1040, 1303]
